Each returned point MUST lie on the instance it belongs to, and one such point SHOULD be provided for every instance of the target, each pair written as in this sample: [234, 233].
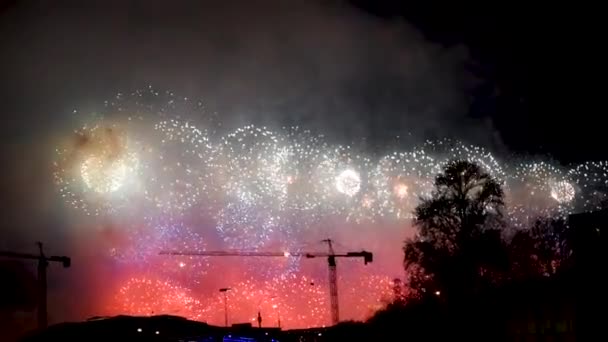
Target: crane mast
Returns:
[43, 264]
[333, 283]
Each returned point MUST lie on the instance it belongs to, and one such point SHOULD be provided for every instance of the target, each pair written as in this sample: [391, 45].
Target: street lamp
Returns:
[275, 307]
[224, 290]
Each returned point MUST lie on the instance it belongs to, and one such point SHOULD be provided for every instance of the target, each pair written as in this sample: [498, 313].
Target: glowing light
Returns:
[400, 190]
[101, 176]
[399, 180]
[562, 191]
[348, 182]
[97, 161]
[538, 188]
[591, 178]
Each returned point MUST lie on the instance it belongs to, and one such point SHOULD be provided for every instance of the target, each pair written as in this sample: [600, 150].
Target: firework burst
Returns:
[538, 189]
[447, 150]
[178, 176]
[141, 251]
[374, 292]
[251, 163]
[293, 301]
[246, 226]
[147, 296]
[305, 154]
[592, 180]
[400, 180]
[98, 170]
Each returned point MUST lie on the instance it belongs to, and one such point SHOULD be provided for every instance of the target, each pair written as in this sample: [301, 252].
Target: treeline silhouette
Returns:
[470, 277]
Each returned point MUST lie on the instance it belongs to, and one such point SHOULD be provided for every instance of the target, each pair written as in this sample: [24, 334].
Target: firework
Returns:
[348, 182]
[98, 170]
[155, 165]
[147, 296]
[562, 191]
[400, 180]
[372, 294]
[338, 180]
[103, 176]
[141, 251]
[447, 150]
[244, 226]
[251, 162]
[292, 301]
[308, 299]
[592, 180]
[306, 153]
[542, 188]
[177, 170]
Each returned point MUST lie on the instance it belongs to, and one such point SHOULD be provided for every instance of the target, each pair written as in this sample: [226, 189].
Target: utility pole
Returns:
[43, 263]
[259, 319]
[42, 302]
[225, 290]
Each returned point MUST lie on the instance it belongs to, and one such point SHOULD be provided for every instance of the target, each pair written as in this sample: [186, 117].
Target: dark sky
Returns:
[540, 64]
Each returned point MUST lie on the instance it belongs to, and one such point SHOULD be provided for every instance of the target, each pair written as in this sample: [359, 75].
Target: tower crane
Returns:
[43, 263]
[331, 256]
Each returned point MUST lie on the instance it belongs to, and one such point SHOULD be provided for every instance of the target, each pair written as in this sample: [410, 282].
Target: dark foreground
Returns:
[166, 328]
[395, 325]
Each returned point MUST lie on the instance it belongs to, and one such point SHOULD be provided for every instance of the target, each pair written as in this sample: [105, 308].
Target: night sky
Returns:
[514, 79]
[540, 65]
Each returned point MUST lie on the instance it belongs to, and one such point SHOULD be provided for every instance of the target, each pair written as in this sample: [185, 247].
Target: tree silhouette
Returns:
[458, 248]
[540, 250]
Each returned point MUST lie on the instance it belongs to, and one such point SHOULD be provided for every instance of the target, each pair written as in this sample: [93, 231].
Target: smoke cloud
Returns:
[322, 65]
